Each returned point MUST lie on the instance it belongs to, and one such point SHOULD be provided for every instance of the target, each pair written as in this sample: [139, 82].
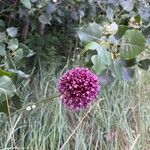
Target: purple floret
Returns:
[78, 87]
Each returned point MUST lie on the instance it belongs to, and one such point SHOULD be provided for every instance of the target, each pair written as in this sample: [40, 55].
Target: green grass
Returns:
[119, 120]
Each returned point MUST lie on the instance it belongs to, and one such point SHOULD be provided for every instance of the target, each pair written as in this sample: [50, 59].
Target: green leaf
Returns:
[127, 5]
[130, 63]
[102, 60]
[7, 87]
[13, 44]
[138, 19]
[31, 53]
[119, 71]
[44, 19]
[12, 31]
[2, 49]
[90, 32]
[27, 52]
[133, 44]
[91, 46]
[97, 65]
[19, 73]
[26, 3]
[121, 30]
[7, 73]
[116, 69]
[18, 55]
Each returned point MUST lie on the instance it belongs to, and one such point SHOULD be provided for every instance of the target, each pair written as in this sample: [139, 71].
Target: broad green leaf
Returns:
[138, 19]
[127, 5]
[13, 44]
[121, 30]
[116, 69]
[7, 73]
[18, 55]
[7, 87]
[130, 63]
[26, 3]
[50, 8]
[119, 71]
[2, 49]
[133, 44]
[97, 65]
[27, 52]
[19, 73]
[12, 31]
[102, 60]
[31, 53]
[91, 46]
[90, 32]
[45, 19]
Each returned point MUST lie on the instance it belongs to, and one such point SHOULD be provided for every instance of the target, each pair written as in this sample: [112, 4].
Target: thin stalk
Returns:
[36, 103]
[11, 126]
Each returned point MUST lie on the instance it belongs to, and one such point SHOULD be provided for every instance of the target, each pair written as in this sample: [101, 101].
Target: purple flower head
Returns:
[78, 87]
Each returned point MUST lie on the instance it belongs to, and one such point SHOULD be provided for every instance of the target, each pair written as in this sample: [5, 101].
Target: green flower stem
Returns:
[39, 102]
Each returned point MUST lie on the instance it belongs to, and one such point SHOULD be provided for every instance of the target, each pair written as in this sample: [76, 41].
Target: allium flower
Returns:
[78, 87]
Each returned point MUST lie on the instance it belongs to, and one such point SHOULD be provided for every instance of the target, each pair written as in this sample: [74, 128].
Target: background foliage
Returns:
[111, 37]
[111, 33]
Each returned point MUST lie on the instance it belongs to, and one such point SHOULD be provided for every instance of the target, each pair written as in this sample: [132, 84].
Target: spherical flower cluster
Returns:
[78, 87]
